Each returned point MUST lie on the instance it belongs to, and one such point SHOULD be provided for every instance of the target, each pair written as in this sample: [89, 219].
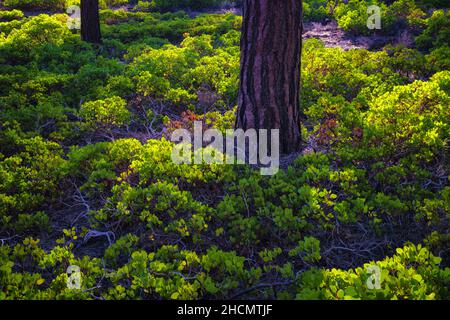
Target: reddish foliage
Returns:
[326, 133]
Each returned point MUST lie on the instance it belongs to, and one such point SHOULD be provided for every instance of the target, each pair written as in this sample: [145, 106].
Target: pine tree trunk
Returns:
[90, 21]
[270, 69]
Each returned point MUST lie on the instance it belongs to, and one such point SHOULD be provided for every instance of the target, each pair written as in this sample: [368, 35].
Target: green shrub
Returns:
[104, 114]
[412, 273]
[52, 5]
[315, 10]
[193, 4]
[30, 171]
[11, 15]
[437, 31]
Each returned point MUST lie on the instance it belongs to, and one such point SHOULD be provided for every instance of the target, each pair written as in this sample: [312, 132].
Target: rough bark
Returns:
[90, 21]
[269, 89]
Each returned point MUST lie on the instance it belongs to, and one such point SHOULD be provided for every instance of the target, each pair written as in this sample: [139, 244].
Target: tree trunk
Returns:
[90, 21]
[269, 90]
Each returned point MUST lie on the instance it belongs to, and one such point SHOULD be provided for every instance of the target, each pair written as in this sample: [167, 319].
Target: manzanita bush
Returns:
[87, 179]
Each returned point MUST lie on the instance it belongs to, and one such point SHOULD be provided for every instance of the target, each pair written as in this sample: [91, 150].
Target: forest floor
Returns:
[332, 36]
